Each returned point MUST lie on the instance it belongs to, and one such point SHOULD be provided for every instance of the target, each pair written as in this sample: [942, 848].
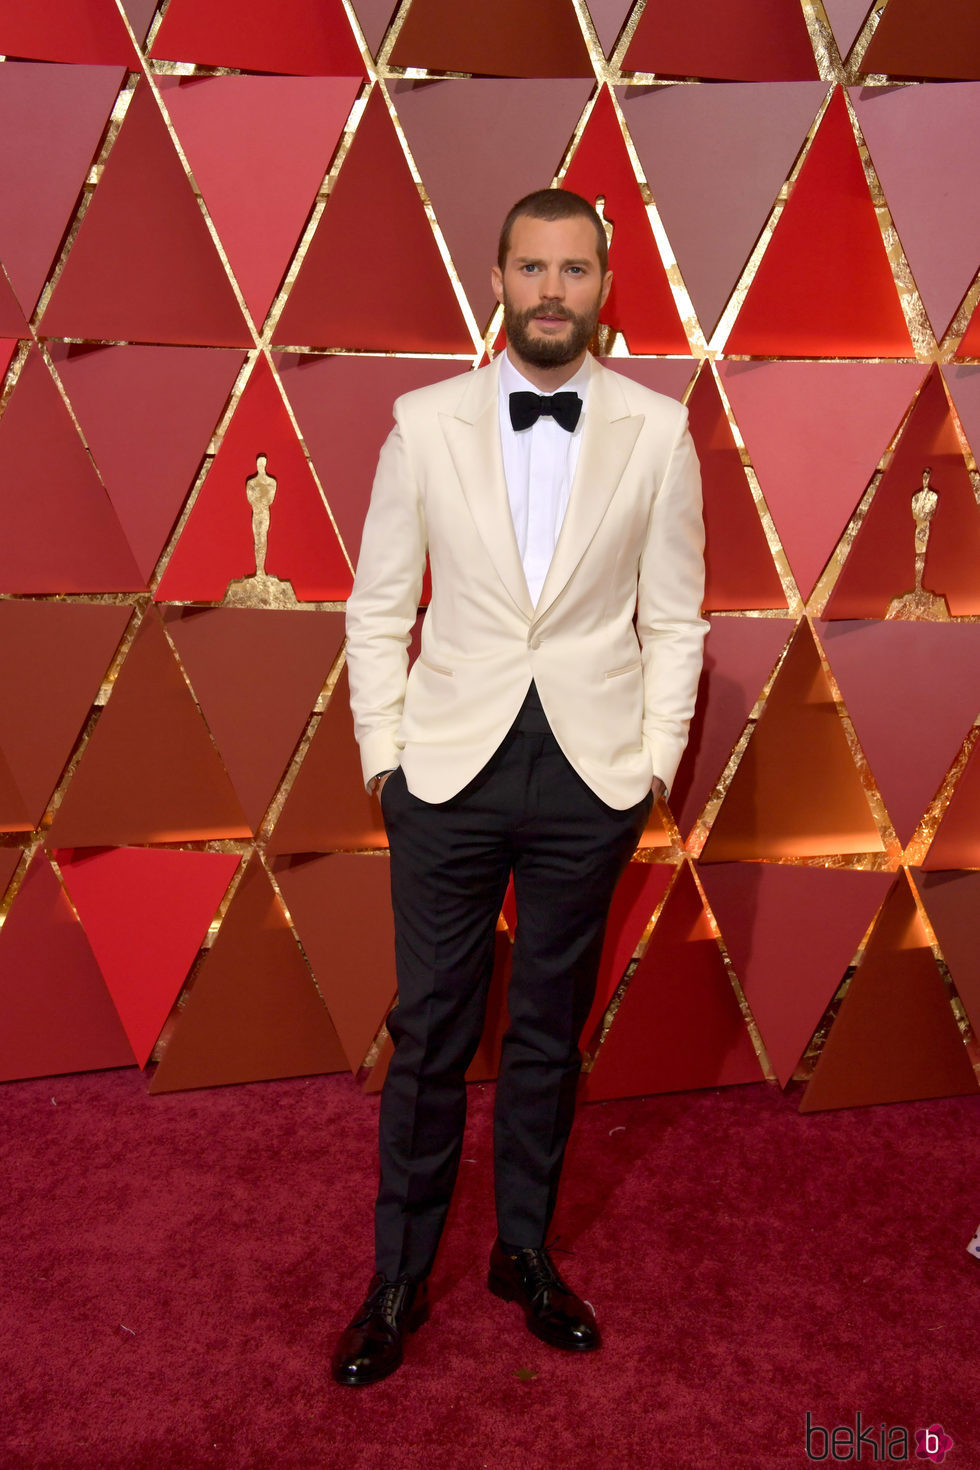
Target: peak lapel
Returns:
[609, 434]
[472, 434]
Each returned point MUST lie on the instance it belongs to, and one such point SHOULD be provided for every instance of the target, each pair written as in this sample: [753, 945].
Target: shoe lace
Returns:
[388, 1298]
[539, 1270]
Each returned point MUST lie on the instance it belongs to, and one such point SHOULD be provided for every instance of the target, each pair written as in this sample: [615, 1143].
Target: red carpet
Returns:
[174, 1270]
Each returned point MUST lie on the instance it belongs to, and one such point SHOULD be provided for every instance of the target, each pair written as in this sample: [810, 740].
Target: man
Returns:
[557, 501]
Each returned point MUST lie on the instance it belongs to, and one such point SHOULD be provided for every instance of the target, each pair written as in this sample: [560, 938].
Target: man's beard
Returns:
[549, 351]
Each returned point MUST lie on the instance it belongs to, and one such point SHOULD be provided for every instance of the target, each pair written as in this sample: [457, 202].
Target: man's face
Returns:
[552, 289]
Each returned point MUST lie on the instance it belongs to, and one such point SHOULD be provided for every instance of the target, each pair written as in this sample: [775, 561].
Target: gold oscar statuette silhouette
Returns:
[921, 603]
[260, 589]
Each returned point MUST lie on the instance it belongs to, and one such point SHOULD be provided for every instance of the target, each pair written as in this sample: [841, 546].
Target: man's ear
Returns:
[497, 282]
[606, 287]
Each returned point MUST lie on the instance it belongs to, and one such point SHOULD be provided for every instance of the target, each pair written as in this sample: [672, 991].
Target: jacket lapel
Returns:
[609, 434]
[472, 434]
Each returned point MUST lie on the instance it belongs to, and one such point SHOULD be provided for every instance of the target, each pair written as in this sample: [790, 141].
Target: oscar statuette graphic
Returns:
[261, 589]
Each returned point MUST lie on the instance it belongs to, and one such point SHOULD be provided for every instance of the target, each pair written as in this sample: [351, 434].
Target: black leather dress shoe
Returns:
[371, 1347]
[553, 1311]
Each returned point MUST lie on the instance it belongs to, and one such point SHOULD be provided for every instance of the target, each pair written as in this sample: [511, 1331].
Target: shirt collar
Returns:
[513, 381]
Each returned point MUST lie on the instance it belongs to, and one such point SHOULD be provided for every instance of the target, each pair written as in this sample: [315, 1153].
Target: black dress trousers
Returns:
[530, 812]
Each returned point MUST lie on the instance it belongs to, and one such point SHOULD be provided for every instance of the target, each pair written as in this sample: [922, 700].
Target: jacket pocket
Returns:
[626, 669]
[436, 668]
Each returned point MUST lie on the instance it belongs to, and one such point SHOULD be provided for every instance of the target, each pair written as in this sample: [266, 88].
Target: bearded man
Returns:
[559, 506]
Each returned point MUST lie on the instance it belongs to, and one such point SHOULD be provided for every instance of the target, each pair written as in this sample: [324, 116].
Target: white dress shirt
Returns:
[539, 466]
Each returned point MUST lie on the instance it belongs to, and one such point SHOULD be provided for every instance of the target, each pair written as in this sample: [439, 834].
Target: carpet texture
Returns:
[175, 1270]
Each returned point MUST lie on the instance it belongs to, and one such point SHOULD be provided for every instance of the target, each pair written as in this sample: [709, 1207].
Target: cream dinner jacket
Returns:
[618, 695]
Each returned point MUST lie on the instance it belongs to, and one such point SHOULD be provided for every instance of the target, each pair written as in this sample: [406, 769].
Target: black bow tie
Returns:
[527, 408]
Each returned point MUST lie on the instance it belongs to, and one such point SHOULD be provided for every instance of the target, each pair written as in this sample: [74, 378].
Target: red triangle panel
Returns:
[796, 791]
[895, 1037]
[970, 344]
[739, 569]
[259, 144]
[637, 897]
[143, 267]
[327, 806]
[257, 675]
[217, 544]
[13, 807]
[146, 915]
[53, 658]
[60, 533]
[375, 202]
[911, 692]
[147, 414]
[12, 323]
[881, 563]
[149, 772]
[918, 39]
[743, 40]
[343, 409]
[762, 909]
[815, 432]
[957, 840]
[739, 656]
[951, 901]
[65, 30]
[824, 287]
[51, 120]
[446, 126]
[55, 1011]
[253, 1012]
[341, 909]
[640, 304]
[679, 1025]
[498, 37]
[305, 37]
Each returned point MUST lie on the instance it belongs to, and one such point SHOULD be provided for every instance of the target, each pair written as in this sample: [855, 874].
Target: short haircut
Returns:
[553, 204]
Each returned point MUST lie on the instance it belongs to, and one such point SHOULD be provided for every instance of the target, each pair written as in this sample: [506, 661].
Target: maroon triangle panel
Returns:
[663, 375]
[496, 38]
[150, 772]
[343, 406]
[739, 569]
[739, 656]
[259, 149]
[679, 1024]
[741, 40]
[218, 543]
[609, 17]
[446, 126]
[374, 17]
[895, 1038]
[305, 37]
[143, 267]
[824, 287]
[374, 216]
[911, 692]
[847, 18]
[918, 39]
[53, 659]
[60, 533]
[341, 910]
[882, 562]
[957, 840]
[152, 408]
[146, 915]
[66, 30]
[7, 349]
[963, 386]
[640, 304]
[253, 1012]
[139, 13]
[951, 901]
[327, 806]
[762, 909]
[637, 897]
[51, 120]
[55, 1012]
[257, 675]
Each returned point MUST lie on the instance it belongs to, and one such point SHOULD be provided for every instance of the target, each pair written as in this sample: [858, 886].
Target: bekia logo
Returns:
[883, 1443]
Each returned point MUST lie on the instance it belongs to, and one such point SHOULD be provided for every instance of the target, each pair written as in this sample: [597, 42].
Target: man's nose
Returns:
[552, 284]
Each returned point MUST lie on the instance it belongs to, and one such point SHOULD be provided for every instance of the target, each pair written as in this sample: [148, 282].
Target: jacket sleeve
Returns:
[383, 605]
[669, 596]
